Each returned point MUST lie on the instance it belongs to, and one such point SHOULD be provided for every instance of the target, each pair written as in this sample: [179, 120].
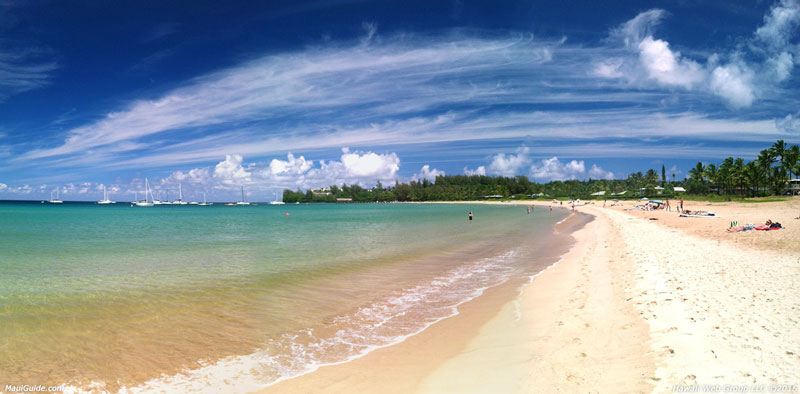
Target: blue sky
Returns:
[269, 95]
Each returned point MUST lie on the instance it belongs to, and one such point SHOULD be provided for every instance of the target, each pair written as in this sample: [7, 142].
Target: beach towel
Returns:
[686, 215]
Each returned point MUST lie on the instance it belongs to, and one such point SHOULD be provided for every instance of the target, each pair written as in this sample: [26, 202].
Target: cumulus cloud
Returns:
[655, 60]
[369, 164]
[290, 167]
[481, 170]
[598, 173]
[427, 173]
[554, 169]
[668, 67]
[230, 171]
[509, 165]
[24, 189]
[734, 84]
[354, 167]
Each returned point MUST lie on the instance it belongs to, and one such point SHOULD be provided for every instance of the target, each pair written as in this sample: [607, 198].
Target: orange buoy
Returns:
[287, 213]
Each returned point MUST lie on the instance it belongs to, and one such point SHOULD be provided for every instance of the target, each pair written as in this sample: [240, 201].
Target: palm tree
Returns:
[753, 174]
[765, 159]
[779, 177]
[779, 148]
[789, 160]
[738, 174]
[697, 172]
[711, 173]
[724, 173]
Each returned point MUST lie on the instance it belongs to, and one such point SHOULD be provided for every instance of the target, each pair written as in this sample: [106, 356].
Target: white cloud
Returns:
[789, 124]
[290, 167]
[779, 24]
[667, 67]
[635, 30]
[427, 173]
[369, 164]
[230, 172]
[24, 189]
[734, 84]
[598, 173]
[782, 65]
[609, 68]
[481, 170]
[3, 187]
[554, 169]
[24, 70]
[736, 81]
[509, 165]
[196, 176]
[370, 81]
[649, 59]
[392, 91]
[354, 167]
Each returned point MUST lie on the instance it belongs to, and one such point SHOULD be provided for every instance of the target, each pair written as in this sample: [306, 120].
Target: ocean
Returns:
[193, 299]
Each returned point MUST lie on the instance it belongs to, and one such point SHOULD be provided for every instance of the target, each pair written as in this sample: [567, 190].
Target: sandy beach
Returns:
[636, 306]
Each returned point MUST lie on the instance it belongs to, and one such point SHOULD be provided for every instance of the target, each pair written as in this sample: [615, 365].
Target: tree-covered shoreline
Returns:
[732, 178]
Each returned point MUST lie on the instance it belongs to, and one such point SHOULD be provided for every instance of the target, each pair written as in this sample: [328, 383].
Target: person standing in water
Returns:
[470, 216]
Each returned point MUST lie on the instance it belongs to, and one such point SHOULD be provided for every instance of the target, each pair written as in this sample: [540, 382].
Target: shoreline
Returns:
[636, 305]
[400, 368]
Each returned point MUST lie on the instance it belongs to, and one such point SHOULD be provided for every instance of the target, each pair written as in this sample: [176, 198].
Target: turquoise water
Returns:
[120, 295]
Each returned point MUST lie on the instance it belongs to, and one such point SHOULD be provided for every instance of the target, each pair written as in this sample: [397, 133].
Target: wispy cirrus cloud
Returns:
[22, 70]
[391, 91]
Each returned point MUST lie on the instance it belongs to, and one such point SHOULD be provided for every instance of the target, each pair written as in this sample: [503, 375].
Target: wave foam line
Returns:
[379, 325]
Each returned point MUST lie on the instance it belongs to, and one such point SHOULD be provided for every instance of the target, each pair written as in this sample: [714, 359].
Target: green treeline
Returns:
[767, 175]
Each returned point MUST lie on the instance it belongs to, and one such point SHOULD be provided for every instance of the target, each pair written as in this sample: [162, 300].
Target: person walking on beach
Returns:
[668, 207]
[681, 204]
[470, 216]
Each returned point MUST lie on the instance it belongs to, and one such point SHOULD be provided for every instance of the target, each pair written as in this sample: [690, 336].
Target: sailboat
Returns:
[144, 202]
[105, 200]
[158, 200]
[180, 201]
[242, 202]
[54, 200]
[204, 203]
[276, 202]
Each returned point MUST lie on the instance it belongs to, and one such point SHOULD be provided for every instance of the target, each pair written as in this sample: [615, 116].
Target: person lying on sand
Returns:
[738, 229]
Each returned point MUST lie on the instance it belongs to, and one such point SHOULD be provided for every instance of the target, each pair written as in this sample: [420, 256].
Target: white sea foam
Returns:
[378, 325]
